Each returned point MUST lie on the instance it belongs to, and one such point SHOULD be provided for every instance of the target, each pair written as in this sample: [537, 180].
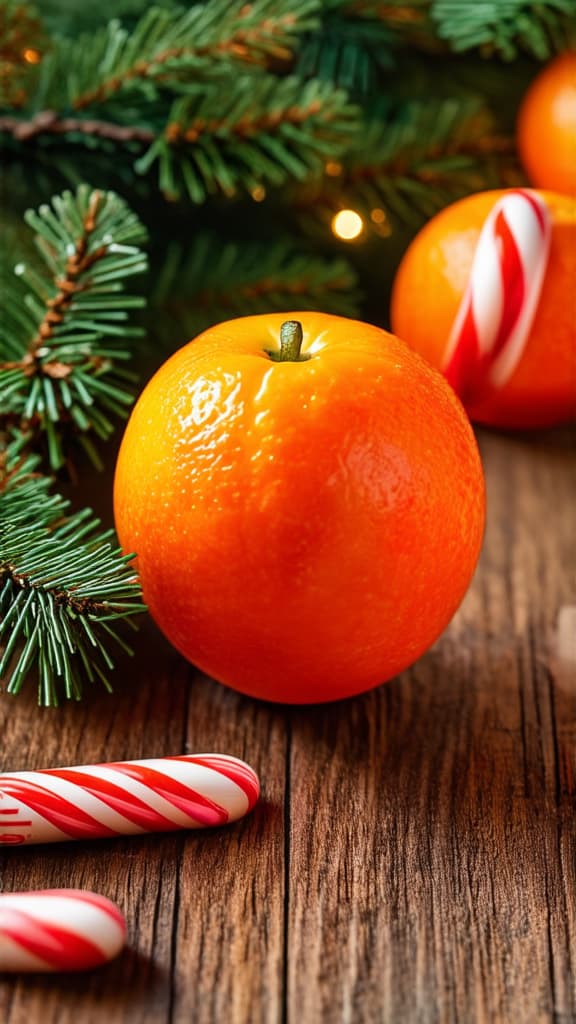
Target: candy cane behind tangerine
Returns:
[496, 313]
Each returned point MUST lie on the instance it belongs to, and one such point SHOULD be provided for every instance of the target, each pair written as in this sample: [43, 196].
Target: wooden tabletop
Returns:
[413, 855]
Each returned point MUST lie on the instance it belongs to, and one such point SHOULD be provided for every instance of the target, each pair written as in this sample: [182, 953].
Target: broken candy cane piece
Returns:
[58, 930]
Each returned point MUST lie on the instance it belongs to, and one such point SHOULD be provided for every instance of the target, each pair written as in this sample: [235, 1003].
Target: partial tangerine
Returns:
[429, 287]
[547, 127]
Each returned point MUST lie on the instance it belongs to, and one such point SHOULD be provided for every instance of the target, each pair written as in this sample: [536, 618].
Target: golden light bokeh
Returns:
[258, 193]
[347, 224]
[381, 222]
[31, 56]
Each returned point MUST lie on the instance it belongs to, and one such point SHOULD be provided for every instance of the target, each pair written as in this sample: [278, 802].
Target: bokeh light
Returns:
[347, 224]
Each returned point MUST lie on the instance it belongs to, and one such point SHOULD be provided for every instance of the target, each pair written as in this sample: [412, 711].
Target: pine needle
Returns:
[66, 327]
[266, 129]
[411, 159]
[62, 581]
[169, 45]
[506, 27]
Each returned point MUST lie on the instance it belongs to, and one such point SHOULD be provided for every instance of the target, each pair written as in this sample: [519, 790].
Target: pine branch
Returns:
[213, 280]
[167, 46]
[506, 27]
[406, 23]
[349, 47]
[358, 39]
[265, 130]
[64, 337]
[413, 159]
[62, 585]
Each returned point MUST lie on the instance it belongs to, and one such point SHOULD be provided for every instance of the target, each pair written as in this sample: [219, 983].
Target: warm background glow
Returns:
[347, 224]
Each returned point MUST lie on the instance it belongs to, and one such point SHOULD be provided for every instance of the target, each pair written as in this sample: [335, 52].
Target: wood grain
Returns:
[437, 880]
[413, 857]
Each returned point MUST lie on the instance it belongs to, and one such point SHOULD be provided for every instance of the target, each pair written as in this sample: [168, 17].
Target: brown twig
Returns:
[489, 145]
[243, 128]
[403, 14]
[48, 121]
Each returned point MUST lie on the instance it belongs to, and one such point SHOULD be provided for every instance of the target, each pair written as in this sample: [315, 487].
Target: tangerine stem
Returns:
[291, 337]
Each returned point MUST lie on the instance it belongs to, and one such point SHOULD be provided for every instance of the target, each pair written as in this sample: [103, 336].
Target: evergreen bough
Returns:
[63, 581]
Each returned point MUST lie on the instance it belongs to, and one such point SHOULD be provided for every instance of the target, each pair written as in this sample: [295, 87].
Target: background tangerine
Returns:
[304, 530]
[546, 128]
[432, 278]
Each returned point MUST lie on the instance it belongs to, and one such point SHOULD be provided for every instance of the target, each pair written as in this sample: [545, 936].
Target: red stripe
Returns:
[197, 807]
[129, 806]
[462, 367]
[513, 282]
[57, 947]
[468, 369]
[61, 813]
[244, 776]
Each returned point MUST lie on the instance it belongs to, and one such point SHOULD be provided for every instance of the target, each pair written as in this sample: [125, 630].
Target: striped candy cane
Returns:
[124, 798]
[58, 930]
[496, 313]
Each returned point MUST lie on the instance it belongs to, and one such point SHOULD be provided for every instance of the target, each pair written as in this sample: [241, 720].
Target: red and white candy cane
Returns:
[58, 930]
[496, 313]
[124, 798]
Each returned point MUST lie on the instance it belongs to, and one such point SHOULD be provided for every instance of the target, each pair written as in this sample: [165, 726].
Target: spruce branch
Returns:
[358, 39]
[413, 159]
[196, 288]
[167, 46]
[349, 47]
[64, 585]
[64, 328]
[506, 27]
[266, 130]
[503, 27]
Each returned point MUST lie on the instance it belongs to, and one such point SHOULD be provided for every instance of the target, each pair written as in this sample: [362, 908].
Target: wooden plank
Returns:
[432, 845]
[229, 924]
[431, 851]
[196, 904]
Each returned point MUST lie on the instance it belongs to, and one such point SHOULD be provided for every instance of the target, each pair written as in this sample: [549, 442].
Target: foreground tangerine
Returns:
[307, 511]
[432, 280]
